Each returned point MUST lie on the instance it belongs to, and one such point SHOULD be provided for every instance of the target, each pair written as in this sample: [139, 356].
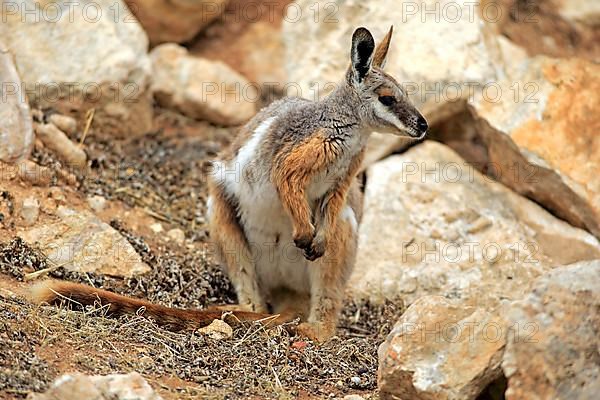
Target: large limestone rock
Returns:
[552, 346]
[80, 242]
[16, 132]
[77, 386]
[441, 350]
[543, 138]
[175, 21]
[439, 77]
[434, 225]
[73, 56]
[200, 88]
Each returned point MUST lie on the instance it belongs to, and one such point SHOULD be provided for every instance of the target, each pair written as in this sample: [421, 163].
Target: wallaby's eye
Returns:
[387, 100]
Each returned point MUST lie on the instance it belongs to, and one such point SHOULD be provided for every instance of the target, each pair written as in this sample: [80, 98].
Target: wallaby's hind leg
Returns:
[290, 303]
[231, 248]
[328, 281]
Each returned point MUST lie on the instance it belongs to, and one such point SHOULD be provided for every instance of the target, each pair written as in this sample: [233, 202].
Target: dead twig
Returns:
[89, 117]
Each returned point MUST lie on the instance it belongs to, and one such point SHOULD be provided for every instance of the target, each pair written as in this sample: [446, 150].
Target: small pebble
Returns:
[353, 397]
[59, 143]
[217, 330]
[157, 227]
[97, 203]
[176, 235]
[64, 123]
[146, 361]
[30, 211]
[355, 380]
[34, 173]
[57, 194]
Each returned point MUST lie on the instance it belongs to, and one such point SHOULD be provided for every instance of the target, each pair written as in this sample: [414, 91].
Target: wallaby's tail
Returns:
[53, 292]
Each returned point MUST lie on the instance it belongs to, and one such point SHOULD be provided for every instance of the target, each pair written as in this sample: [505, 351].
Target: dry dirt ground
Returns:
[160, 178]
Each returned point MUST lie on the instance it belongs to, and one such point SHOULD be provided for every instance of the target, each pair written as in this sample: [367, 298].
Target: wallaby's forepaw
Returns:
[303, 235]
[316, 250]
[315, 331]
[311, 247]
[303, 242]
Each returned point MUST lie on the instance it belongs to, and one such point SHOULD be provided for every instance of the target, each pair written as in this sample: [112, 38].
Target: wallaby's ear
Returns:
[382, 49]
[363, 46]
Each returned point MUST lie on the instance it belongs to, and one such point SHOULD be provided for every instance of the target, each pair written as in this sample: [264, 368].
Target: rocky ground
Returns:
[151, 182]
[478, 272]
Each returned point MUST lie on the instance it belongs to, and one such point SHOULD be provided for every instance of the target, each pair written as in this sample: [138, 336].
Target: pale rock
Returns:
[355, 380]
[200, 88]
[81, 242]
[513, 55]
[552, 346]
[16, 131]
[175, 21]
[157, 227]
[64, 123]
[217, 330]
[542, 137]
[30, 210]
[433, 225]
[580, 11]
[76, 386]
[97, 203]
[35, 174]
[176, 235]
[131, 386]
[441, 349]
[93, 58]
[353, 397]
[439, 79]
[57, 194]
[60, 144]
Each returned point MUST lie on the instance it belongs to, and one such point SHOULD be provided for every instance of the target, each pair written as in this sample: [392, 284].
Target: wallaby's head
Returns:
[384, 105]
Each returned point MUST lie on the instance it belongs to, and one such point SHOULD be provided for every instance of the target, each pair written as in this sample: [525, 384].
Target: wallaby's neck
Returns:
[343, 104]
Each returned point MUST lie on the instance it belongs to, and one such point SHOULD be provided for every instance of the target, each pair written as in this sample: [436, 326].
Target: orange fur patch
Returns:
[292, 173]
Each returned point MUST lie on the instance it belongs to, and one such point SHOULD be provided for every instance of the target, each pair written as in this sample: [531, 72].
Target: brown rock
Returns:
[557, 28]
[16, 132]
[544, 142]
[255, 50]
[552, 346]
[200, 88]
[440, 350]
[175, 21]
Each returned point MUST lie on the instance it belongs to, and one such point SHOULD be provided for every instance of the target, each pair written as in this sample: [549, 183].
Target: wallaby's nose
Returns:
[422, 124]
